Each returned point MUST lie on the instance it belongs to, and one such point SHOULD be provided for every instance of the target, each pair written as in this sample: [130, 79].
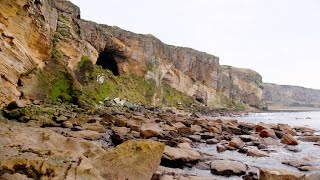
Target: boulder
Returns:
[212, 141]
[16, 104]
[150, 130]
[286, 129]
[175, 157]
[268, 174]
[262, 126]
[134, 159]
[265, 133]
[255, 152]
[221, 148]
[289, 140]
[119, 134]
[227, 168]
[236, 143]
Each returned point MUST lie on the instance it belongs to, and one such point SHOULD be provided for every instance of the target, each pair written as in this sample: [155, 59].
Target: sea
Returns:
[309, 119]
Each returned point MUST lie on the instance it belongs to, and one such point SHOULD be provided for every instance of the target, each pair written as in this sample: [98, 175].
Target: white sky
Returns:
[278, 38]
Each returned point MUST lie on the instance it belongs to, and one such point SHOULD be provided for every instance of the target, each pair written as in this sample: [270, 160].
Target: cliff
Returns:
[291, 97]
[42, 40]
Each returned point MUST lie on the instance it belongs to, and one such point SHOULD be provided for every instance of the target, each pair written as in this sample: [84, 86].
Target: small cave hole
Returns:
[106, 61]
[19, 83]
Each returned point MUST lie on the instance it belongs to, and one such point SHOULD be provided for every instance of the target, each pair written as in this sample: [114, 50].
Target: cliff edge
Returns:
[45, 42]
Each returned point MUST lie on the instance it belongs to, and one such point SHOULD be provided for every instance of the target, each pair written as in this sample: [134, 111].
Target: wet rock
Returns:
[177, 157]
[243, 151]
[310, 138]
[207, 135]
[262, 126]
[265, 133]
[212, 141]
[256, 152]
[286, 129]
[227, 168]
[150, 130]
[268, 174]
[289, 140]
[233, 130]
[293, 148]
[221, 148]
[309, 168]
[195, 138]
[248, 138]
[297, 163]
[203, 165]
[269, 142]
[279, 134]
[236, 143]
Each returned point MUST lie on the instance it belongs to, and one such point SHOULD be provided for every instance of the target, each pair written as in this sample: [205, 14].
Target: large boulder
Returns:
[40, 153]
[134, 159]
[227, 167]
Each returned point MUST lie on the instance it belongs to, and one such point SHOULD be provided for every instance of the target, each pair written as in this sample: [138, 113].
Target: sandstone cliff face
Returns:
[290, 97]
[35, 31]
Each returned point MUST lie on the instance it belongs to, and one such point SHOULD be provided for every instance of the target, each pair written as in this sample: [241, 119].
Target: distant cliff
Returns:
[39, 38]
[291, 97]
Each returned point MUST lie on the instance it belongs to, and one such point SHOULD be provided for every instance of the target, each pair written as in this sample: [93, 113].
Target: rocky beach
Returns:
[46, 141]
[82, 100]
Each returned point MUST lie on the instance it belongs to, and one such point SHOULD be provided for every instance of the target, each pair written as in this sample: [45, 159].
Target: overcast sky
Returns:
[278, 38]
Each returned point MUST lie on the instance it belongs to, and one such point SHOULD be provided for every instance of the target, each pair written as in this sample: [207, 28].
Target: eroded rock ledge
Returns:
[35, 32]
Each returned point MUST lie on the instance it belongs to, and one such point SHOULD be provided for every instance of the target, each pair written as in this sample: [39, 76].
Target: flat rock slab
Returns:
[227, 168]
[176, 157]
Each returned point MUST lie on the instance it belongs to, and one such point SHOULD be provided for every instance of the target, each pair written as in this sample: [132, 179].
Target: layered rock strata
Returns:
[34, 32]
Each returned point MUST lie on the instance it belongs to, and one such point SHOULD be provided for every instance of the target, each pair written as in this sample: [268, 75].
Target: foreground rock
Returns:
[130, 160]
[228, 168]
[267, 174]
[39, 153]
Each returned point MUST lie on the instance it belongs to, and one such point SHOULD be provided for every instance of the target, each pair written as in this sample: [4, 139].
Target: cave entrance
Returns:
[107, 61]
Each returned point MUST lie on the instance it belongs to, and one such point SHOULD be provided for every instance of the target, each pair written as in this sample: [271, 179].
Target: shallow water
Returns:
[306, 119]
[280, 154]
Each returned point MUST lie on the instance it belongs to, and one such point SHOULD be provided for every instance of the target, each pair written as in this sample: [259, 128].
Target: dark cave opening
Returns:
[106, 61]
